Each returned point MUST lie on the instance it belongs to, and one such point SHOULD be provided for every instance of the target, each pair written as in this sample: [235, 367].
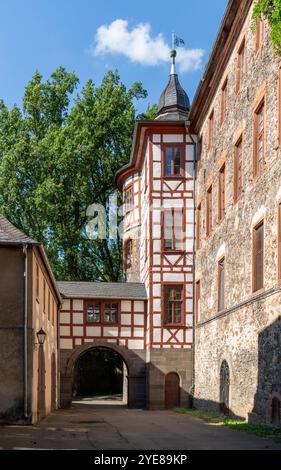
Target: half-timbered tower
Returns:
[158, 189]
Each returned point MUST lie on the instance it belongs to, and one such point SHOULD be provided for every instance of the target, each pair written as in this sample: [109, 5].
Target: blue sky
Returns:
[84, 37]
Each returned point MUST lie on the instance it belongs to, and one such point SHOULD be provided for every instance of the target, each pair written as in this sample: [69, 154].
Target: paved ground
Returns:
[106, 427]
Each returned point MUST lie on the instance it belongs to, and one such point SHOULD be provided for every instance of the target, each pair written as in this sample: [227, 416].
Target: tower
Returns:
[158, 189]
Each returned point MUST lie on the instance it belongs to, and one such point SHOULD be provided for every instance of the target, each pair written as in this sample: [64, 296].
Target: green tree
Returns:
[56, 160]
[270, 9]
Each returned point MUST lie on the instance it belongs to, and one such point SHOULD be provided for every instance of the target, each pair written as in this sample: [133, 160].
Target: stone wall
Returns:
[238, 335]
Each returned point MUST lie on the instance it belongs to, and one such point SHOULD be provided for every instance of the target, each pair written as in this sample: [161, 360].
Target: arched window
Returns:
[128, 251]
[275, 411]
[224, 388]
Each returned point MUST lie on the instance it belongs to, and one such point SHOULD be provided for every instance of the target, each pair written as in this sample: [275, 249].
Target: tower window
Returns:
[173, 305]
[129, 199]
[173, 229]
[258, 257]
[173, 160]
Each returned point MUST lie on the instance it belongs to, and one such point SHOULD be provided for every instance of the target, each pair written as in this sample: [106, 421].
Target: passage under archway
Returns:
[100, 377]
[172, 390]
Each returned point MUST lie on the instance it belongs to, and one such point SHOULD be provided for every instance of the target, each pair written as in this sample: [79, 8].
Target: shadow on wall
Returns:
[268, 395]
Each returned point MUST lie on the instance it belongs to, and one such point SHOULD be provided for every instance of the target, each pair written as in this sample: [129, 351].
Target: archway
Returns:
[172, 390]
[134, 361]
[224, 387]
[100, 377]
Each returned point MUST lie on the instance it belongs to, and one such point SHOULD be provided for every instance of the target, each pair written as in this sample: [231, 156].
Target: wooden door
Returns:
[172, 391]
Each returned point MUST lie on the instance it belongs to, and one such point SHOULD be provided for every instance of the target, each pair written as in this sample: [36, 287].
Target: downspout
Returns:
[25, 368]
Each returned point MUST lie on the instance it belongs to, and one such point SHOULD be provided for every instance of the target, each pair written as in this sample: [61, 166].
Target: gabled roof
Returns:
[10, 234]
[102, 290]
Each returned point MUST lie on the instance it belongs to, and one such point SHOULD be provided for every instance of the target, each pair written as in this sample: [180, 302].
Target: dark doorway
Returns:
[224, 388]
[100, 376]
[41, 409]
[172, 390]
[275, 411]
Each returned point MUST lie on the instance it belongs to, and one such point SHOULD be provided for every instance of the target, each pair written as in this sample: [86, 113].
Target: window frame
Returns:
[171, 285]
[199, 226]
[224, 96]
[237, 195]
[221, 288]
[102, 303]
[240, 76]
[222, 193]
[209, 211]
[173, 176]
[211, 126]
[257, 165]
[255, 287]
[129, 190]
[173, 249]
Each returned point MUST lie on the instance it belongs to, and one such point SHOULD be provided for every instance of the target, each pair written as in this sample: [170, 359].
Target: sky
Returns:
[90, 37]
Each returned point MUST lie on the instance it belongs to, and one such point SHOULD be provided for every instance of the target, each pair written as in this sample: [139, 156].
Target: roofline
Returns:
[230, 28]
[132, 166]
[101, 297]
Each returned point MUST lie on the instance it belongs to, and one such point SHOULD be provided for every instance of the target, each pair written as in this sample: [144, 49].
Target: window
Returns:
[238, 169]
[259, 139]
[173, 229]
[279, 241]
[224, 91]
[44, 295]
[101, 311]
[197, 301]
[209, 210]
[222, 193]
[173, 160]
[221, 280]
[198, 227]
[258, 256]
[173, 305]
[260, 34]
[111, 313]
[211, 130]
[37, 281]
[129, 199]
[128, 254]
[241, 65]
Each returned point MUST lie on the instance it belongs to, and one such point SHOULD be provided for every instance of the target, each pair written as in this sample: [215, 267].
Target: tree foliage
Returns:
[270, 9]
[58, 155]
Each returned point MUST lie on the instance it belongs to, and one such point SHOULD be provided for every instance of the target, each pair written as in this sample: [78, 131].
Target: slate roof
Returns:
[102, 290]
[9, 234]
[173, 97]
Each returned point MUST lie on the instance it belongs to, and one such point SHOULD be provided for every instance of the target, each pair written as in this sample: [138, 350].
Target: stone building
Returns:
[236, 115]
[29, 303]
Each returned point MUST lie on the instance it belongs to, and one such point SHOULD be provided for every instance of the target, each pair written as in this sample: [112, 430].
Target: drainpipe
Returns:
[25, 331]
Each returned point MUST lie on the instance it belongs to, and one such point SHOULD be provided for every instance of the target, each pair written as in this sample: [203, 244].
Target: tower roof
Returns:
[174, 103]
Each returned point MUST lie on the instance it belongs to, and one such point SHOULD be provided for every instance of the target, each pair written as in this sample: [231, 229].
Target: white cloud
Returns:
[139, 46]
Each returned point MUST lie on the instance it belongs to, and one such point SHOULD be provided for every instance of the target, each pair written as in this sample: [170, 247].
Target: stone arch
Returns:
[135, 364]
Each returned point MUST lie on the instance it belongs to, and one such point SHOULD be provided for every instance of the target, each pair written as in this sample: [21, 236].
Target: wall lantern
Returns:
[41, 336]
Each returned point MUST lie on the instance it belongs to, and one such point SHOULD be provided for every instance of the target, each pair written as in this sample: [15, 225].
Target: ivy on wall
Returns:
[270, 9]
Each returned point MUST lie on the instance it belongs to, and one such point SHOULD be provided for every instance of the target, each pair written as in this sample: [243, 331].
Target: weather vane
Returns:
[176, 42]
